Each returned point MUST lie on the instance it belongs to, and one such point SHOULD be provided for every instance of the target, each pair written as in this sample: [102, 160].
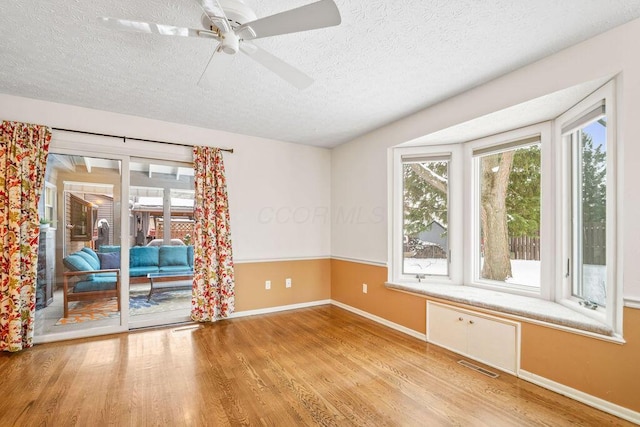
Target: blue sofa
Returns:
[155, 259]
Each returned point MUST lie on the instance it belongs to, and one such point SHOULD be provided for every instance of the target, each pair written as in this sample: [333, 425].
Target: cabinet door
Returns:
[492, 342]
[487, 339]
[446, 328]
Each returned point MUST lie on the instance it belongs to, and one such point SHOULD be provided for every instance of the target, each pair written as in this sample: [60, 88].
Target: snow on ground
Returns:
[430, 266]
[524, 273]
[594, 279]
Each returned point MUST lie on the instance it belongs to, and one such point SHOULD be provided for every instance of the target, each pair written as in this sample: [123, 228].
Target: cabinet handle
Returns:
[460, 319]
[471, 322]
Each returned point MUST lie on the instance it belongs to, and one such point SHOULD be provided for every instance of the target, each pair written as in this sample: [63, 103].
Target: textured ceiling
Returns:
[386, 60]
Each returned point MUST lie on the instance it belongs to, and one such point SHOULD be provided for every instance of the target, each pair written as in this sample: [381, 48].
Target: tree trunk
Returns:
[495, 171]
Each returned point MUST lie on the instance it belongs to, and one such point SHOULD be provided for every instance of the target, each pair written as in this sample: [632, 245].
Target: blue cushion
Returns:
[108, 248]
[111, 274]
[75, 262]
[173, 255]
[143, 256]
[99, 283]
[190, 255]
[91, 252]
[95, 264]
[109, 260]
[142, 271]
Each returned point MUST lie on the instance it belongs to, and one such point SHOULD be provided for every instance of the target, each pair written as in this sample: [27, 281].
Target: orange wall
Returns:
[401, 308]
[310, 281]
[602, 369]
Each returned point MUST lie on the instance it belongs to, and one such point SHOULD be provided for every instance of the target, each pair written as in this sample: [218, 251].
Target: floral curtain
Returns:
[23, 159]
[213, 279]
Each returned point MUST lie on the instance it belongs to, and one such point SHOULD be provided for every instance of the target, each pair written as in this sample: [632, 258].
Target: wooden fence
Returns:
[179, 229]
[594, 244]
[594, 239]
[524, 247]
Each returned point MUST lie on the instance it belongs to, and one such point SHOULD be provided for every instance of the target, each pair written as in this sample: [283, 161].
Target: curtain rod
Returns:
[125, 138]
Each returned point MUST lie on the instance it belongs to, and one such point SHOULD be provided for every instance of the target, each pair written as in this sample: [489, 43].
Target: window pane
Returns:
[509, 209]
[87, 217]
[426, 245]
[590, 212]
[161, 208]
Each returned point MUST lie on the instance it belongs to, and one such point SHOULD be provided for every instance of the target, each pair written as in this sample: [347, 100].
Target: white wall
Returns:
[359, 168]
[279, 193]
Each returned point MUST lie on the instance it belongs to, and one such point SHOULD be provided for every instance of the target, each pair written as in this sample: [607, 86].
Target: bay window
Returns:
[530, 211]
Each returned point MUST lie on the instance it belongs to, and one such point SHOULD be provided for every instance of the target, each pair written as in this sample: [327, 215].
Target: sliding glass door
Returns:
[116, 237]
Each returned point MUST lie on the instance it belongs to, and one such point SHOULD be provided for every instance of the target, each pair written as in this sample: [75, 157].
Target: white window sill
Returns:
[535, 309]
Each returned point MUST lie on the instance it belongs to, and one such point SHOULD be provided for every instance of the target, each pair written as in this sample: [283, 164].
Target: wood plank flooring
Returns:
[317, 366]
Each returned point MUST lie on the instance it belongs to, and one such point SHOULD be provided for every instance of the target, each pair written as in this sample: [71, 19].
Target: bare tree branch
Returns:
[429, 177]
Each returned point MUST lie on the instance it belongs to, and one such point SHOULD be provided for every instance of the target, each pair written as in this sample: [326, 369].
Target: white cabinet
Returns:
[487, 339]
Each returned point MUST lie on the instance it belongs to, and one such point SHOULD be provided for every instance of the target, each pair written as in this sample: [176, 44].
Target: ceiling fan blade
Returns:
[285, 71]
[151, 28]
[215, 69]
[216, 14]
[321, 14]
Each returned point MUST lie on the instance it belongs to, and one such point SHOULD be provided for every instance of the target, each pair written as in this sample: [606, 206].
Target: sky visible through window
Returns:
[598, 133]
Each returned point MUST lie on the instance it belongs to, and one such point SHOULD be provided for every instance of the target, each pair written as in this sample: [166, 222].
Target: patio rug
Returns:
[85, 311]
[160, 302]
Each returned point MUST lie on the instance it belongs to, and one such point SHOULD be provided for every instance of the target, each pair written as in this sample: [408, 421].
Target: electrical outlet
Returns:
[267, 284]
[364, 288]
[287, 282]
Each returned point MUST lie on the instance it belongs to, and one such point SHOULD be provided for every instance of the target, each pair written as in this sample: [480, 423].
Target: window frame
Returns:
[472, 221]
[50, 204]
[612, 313]
[454, 204]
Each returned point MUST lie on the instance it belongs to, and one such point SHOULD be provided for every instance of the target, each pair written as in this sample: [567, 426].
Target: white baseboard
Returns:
[596, 402]
[385, 322]
[278, 308]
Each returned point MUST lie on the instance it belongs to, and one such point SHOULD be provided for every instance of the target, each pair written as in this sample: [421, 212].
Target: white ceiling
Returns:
[386, 60]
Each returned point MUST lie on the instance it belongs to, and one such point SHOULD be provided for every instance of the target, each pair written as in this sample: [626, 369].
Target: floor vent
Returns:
[478, 368]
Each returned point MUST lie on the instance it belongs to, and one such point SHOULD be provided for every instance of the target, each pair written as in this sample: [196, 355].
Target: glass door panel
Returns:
[161, 200]
[81, 210]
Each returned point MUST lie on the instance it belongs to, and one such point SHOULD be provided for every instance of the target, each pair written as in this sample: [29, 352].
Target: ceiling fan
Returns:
[233, 24]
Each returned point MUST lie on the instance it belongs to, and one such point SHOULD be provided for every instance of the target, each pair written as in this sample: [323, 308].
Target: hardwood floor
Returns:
[316, 366]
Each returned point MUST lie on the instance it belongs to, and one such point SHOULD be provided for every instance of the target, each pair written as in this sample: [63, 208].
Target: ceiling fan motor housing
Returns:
[230, 43]
[237, 13]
